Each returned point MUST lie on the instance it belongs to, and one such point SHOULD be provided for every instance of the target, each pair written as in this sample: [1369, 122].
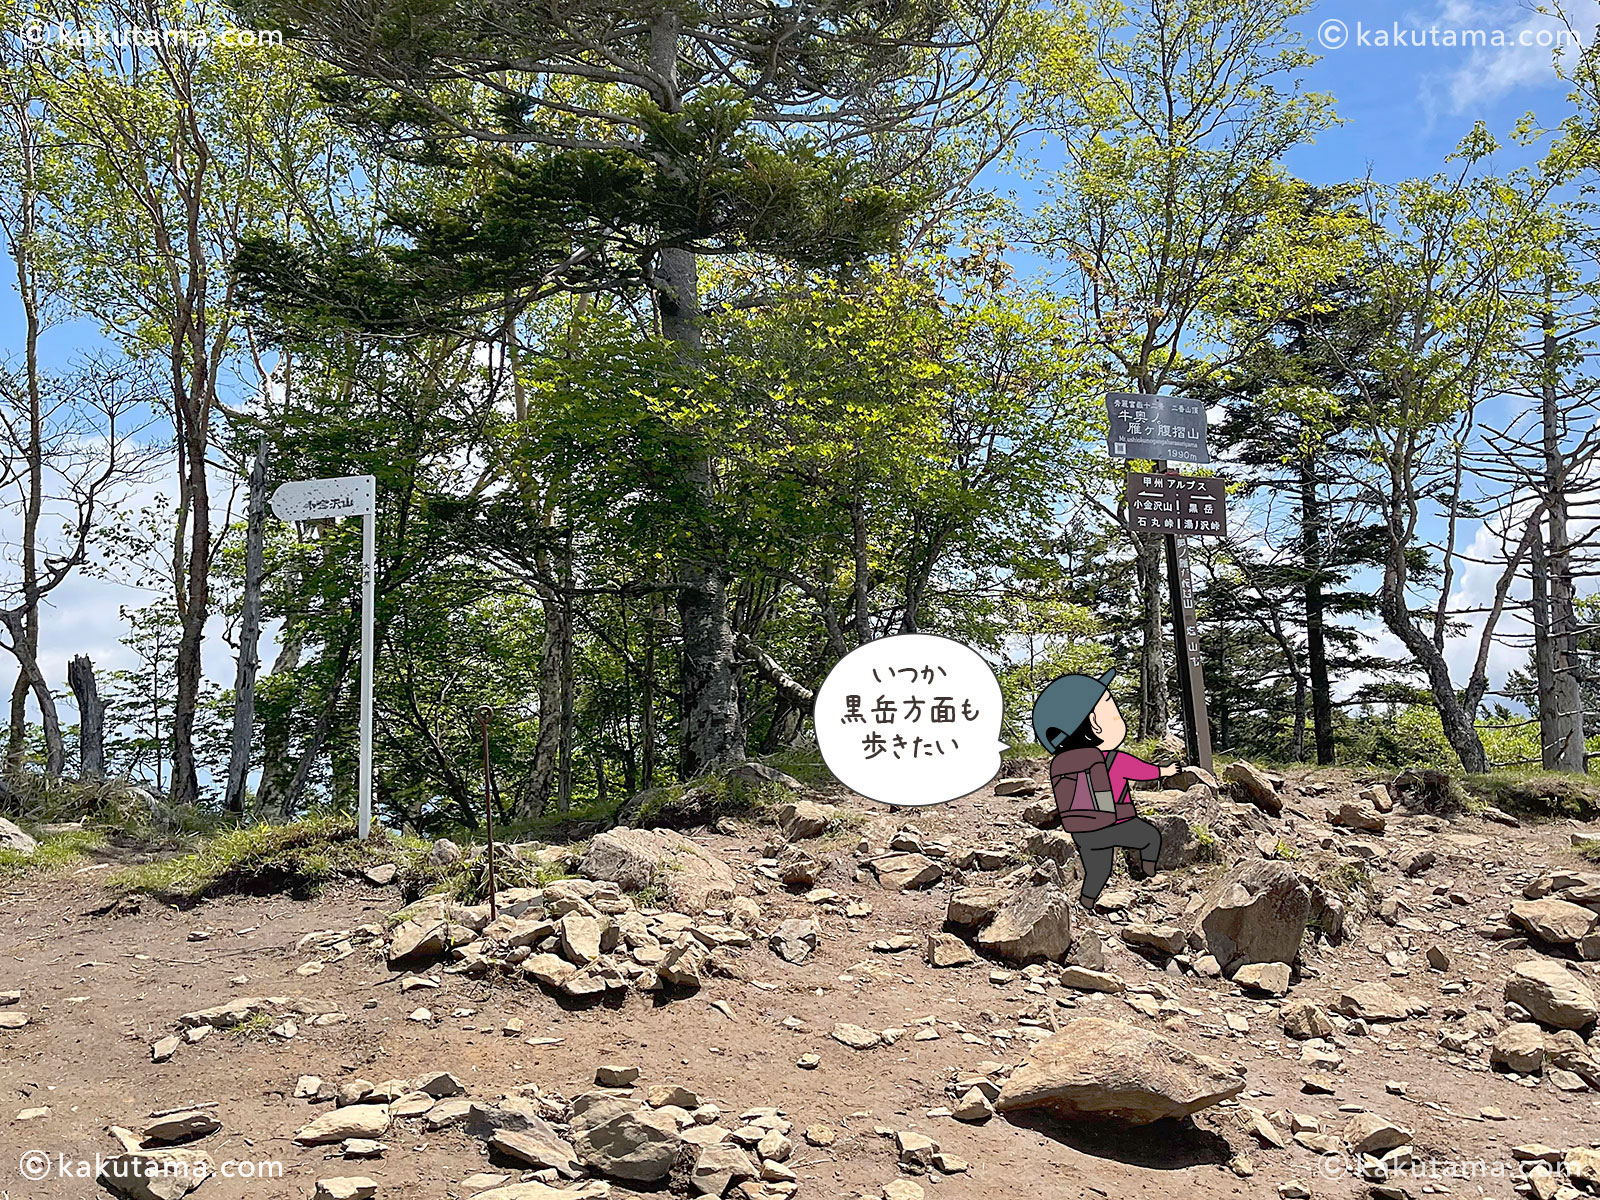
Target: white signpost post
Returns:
[349, 496]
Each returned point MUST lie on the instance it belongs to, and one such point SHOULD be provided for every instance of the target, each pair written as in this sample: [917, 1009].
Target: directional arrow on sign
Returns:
[315, 499]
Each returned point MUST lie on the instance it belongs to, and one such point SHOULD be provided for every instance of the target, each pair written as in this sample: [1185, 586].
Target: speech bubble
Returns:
[911, 720]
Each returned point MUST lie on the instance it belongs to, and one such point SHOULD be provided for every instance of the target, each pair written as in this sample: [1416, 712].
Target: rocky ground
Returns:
[1322, 993]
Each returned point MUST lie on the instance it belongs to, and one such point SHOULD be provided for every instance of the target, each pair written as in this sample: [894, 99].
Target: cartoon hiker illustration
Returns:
[1077, 720]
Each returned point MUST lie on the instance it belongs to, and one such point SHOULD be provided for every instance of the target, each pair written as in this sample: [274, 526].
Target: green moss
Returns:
[1207, 848]
[1587, 849]
[54, 852]
[1540, 793]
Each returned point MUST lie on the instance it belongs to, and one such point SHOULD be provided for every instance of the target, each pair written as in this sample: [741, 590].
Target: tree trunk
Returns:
[1316, 638]
[244, 680]
[1153, 710]
[712, 732]
[1459, 730]
[276, 770]
[193, 592]
[862, 590]
[54, 747]
[1561, 727]
[91, 719]
[534, 794]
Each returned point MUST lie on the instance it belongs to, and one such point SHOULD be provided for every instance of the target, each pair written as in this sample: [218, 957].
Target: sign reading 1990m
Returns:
[1186, 505]
[1160, 428]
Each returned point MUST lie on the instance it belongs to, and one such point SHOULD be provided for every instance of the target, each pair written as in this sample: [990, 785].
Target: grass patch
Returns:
[1587, 849]
[467, 879]
[252, 1027]
[1539, 794]
[708, 800]
[1206, 847]
[1284, 851]
[54, 852]
[1349, 881]
[297, 858]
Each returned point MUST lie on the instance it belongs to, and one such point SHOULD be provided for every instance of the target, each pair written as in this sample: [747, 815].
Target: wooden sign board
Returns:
[1183, 505]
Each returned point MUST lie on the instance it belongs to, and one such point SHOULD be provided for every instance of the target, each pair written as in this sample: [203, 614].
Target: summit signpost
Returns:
[1172, 429]
[346, 496]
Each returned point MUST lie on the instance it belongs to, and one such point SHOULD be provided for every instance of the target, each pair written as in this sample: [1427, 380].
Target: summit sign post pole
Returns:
[347, 496]
[1166, 429]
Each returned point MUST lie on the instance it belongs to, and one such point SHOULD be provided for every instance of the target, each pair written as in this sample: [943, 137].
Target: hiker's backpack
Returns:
[1080, 808]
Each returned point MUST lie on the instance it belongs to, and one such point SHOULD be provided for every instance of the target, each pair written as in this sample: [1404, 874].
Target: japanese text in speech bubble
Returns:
[911, 720]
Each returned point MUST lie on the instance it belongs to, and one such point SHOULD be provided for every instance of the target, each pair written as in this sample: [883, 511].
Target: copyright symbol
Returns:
[34, 33]
[1332, 33]
[1331, 1165]
[35, 1165]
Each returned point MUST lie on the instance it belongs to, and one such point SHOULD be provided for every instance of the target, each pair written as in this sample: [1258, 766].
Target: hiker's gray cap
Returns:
[1064, 703]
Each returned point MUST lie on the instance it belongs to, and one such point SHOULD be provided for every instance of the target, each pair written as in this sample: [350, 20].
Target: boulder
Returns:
[1178, 847]
[419, 939]
[1251, 784]
[1260, 915]
[1518, 1047]
[718, 1167]
[1559, 922]
[1190, 777]
[617, 1138]
[693, 878]
[1304, 1021]
[13, 838]
[1034, 922]
[1553, 994]
[1042, 813]
[971, 907]
[805, 819]
[1106, 1070]
[1371, 1133]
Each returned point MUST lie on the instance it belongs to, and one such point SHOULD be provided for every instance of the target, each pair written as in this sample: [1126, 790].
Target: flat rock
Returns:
[351, 1121]
[180, 1127]
[1271, 978]
[346, 1187]
[1559, 922]
[1555, 995]
[1374, 1002]
[905, 872]
[1108, 1070]
[947, 950]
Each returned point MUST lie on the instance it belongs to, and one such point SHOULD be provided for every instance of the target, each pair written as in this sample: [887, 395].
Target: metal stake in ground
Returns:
[485, 715]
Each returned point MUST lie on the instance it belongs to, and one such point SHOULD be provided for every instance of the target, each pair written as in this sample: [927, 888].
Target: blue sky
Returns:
[1405, 108]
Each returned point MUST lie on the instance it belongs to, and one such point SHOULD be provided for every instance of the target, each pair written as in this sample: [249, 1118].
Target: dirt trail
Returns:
[100, 990]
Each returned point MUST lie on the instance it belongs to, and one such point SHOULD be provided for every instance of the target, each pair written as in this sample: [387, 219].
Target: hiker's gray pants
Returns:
[1096, 848]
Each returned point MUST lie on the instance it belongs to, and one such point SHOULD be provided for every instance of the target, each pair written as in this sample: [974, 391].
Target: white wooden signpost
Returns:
[348, 496]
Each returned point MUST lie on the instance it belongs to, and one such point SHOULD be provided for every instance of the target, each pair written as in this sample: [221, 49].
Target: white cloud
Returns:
[1490, 72]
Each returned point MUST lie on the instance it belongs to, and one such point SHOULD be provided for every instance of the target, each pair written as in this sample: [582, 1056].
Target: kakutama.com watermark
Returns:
[55, 35]
[36, 1166]
[1335, 34]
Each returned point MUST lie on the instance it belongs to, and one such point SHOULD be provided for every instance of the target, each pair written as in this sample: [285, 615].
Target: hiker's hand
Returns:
[1171, 769]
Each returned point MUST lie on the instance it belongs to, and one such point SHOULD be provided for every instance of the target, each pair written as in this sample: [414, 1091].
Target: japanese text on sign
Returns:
[911, 720]
[1156, 427]
[1189, 505]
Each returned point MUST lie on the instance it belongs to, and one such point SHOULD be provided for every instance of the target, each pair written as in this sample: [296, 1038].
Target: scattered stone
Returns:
[1271, 978]
[351, 1121]
[947, 950]
[346, 1187]
[617, 1138]
[855, 1036]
